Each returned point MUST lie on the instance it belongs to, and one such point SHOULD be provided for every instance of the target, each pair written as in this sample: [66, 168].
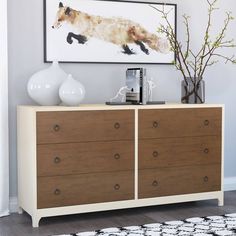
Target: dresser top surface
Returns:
[117, 107]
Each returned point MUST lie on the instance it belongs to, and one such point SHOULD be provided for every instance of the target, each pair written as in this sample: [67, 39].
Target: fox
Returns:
[115, 30]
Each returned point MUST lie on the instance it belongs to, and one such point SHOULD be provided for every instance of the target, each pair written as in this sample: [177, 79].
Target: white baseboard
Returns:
[229, 185]
[13, 205]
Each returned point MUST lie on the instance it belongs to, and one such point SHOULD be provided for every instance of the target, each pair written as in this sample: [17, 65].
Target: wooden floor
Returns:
[20, 225]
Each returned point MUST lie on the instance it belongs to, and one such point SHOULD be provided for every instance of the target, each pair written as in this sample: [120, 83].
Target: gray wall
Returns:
[102, 81]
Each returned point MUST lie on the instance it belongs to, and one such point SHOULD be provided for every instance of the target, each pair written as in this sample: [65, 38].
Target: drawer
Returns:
[168, 152]
[77, 158]
[160, 123]
[181, 180]
[81, 126]
[85, 189]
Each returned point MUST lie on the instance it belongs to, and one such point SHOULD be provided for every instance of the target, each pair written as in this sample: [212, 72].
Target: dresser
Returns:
[95, 157]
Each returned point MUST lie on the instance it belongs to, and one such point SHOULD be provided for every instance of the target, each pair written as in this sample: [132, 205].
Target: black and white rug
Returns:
[212, 225]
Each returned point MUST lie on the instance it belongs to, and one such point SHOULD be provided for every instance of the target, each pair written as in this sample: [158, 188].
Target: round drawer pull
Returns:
[206, 122]
[117, 187]
[206, 150]
[155, 124]
[117, 156]
[117, 125]
[206, 179]
[155, 154]
[57, 192]
[155, 183]
[56, 128]
[57, 160]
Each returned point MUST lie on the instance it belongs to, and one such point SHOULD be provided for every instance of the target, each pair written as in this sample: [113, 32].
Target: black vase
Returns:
[193, 91]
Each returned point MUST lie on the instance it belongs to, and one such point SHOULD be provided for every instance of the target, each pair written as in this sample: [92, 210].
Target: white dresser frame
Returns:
[27, 165]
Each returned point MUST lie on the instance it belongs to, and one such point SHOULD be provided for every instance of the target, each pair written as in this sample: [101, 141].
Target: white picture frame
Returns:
[100, 31]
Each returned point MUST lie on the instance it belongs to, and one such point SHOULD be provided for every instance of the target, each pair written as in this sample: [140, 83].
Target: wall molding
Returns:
[13, 206]
[229, 185]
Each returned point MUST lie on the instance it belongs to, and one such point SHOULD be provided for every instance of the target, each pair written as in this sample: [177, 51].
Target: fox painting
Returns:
[115, 30]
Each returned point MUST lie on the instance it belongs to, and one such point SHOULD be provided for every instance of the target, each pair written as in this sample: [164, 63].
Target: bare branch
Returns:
[188, 35]
[187, 62]
[206, 37]
[227, 59]
[217, 43]
[172, 39]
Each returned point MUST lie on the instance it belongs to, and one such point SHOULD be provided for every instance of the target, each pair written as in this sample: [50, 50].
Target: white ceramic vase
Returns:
[43, 86]
[71, 92]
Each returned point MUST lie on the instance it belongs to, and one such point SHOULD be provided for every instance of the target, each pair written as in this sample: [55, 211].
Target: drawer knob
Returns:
[57, 160]
[155, 124]
[155, 183]
[206, 122]
[117, 187]
[56, 128]
[155, 154]
[57, 192]
[117, 156]
[206, 150]
[206, 179]
[117, 125]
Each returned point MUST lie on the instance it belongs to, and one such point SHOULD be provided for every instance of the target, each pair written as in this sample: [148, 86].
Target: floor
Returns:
[20, 225]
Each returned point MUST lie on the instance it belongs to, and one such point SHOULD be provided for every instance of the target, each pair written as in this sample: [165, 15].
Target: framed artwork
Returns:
[101, 31]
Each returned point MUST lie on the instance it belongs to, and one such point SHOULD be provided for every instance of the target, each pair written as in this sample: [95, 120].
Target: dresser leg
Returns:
[20, 210]
[221, 200]
[35, 221]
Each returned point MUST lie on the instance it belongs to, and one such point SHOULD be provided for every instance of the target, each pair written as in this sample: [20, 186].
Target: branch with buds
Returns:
[193, 65]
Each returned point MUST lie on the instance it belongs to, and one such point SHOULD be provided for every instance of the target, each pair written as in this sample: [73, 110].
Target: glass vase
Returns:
[193, 91]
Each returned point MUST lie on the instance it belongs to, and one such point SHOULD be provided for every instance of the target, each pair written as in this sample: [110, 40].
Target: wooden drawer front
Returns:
[79, 126]
[77, 158]
[179, 122]
[167, 152]
[85, 189]
[181, 180]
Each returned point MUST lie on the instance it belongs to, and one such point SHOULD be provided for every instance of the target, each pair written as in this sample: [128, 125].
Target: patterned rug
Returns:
[212, 225]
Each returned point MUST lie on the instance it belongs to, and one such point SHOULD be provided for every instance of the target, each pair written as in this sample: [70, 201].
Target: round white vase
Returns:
[71, 92]
[43, 86]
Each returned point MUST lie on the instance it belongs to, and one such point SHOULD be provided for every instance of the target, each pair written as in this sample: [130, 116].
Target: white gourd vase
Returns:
[43, 86]
[71, 92]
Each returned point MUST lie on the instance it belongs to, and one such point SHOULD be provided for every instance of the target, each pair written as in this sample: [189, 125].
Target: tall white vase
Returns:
[43, 86]
[71, 92]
